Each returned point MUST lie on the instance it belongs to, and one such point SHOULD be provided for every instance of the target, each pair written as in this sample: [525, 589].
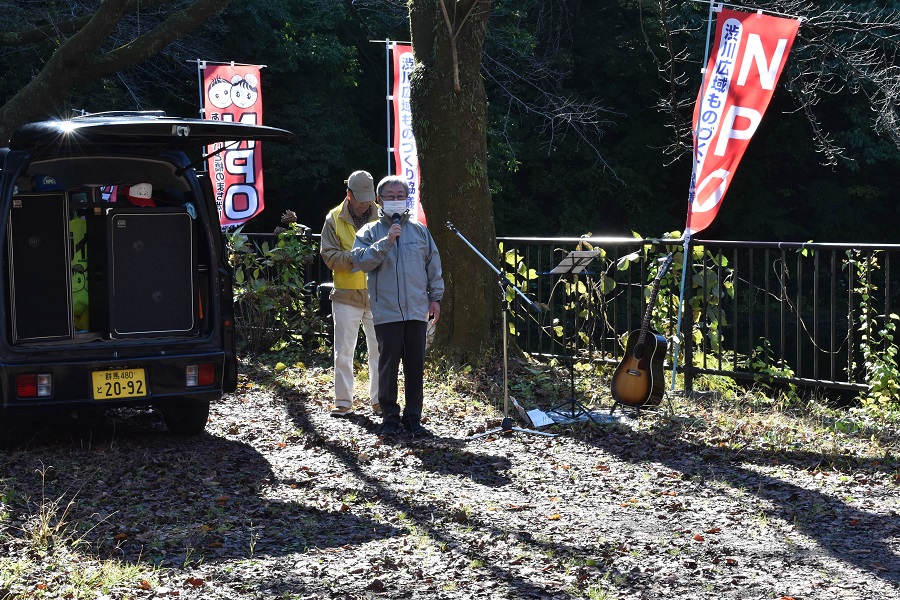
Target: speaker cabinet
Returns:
[40, 275]
[152, 269]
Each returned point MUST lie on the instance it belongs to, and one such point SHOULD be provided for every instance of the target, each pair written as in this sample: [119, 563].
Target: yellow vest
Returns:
[346, 232]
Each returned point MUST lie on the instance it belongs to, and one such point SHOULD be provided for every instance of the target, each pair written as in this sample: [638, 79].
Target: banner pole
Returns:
[388, 98]
[691, 190]
[684, 264]
[201, 65]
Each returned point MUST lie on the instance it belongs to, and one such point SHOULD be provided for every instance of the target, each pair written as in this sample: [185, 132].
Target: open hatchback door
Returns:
[116, 290]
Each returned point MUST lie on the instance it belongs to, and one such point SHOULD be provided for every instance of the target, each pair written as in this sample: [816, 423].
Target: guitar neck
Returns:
[651, 302]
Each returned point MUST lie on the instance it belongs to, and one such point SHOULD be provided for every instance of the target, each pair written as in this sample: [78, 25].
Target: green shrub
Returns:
[272, 306]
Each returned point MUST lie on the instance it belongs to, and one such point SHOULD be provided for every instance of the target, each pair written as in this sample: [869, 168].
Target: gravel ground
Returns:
[280, 500]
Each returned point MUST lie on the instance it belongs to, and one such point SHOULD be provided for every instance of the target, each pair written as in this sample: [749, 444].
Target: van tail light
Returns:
[200, 375]
[34, 385]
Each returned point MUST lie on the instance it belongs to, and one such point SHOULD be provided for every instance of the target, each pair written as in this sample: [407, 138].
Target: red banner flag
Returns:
[748, 55]
[406, 160]
[233, 93]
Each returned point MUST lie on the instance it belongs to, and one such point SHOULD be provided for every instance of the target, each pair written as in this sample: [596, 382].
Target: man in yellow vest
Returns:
[350, 297]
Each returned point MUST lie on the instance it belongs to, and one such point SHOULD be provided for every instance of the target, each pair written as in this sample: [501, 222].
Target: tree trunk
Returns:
[450, 128]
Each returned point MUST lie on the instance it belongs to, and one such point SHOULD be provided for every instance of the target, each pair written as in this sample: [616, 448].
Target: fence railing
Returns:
[779, 311]
[785, 312]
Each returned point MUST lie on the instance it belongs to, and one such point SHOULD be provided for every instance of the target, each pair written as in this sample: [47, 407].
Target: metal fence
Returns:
[797, 313]
[786, 312]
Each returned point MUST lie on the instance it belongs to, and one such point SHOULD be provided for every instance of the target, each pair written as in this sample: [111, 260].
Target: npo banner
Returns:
[748, 55]
[406, 161]
[233, 93]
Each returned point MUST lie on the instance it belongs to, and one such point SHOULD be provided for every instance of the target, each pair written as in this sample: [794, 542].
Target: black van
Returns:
[116, 290]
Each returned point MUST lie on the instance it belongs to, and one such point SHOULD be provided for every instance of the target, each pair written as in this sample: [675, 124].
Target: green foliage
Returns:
[272, 305]
[518, 274]
[876, 341]
[711, 281]
[769, 368]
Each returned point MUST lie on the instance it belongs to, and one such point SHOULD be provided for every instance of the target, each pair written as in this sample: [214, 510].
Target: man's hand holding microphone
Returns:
[394, 231]
[394, 204]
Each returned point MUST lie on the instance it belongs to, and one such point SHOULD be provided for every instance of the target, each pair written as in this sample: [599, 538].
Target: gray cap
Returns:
[362, 185]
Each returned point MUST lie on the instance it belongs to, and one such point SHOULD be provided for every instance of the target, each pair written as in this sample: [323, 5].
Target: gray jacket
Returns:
[404, 278]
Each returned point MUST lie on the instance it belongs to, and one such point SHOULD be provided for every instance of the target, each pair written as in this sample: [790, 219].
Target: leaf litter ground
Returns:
[280, 500]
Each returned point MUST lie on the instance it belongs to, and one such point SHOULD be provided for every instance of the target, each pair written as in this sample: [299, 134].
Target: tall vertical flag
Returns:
[406, 160]
[233, 93]
[749, 53]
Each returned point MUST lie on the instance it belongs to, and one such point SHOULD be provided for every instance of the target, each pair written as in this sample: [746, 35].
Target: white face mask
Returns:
[394, 207]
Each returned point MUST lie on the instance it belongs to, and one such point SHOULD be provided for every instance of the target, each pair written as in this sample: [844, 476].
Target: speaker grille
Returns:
[40, 272]
[152, 272]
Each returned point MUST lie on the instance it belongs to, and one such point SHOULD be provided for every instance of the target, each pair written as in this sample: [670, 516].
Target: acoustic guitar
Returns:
[639, 378]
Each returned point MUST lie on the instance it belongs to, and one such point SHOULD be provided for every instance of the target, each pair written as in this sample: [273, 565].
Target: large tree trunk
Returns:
[450, 125]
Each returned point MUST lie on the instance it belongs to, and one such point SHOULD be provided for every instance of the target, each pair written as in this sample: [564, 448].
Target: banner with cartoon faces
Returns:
[233, 93]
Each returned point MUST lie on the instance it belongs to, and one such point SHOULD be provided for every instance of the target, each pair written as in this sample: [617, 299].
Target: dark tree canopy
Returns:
[555, 117]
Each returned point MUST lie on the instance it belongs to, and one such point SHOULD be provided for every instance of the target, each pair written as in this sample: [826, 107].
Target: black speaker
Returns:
[39, 268]
[151, 281]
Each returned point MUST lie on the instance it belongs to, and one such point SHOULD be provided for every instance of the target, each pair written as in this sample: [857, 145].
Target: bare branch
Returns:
[83, 56]
[840, 48]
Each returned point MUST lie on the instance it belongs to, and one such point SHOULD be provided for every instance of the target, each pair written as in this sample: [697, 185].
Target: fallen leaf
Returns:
[145, 585]
[195, 581]
[555, 517]
[120, 536]
[714, 530]
[699, 538]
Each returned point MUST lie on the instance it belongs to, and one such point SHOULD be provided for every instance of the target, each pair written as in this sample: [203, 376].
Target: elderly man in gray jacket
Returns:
[403, 269]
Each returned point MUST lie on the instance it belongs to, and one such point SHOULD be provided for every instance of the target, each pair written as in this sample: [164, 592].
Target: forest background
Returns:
[583, 131]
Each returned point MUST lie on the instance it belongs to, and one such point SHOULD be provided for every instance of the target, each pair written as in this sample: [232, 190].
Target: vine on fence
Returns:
[272, 306]
[876, 345]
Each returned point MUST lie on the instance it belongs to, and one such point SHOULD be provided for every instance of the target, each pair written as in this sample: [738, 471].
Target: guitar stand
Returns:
[574, 263]
[636, 409]
[506, 425]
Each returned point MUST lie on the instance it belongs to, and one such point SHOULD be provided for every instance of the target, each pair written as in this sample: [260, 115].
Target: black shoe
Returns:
[389, 429]
[417, 429]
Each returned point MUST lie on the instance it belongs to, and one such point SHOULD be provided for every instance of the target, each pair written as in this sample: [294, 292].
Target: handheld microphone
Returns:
[396, 218]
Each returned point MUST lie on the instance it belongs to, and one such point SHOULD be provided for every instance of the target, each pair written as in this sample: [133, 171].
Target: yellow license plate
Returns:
[120, 383]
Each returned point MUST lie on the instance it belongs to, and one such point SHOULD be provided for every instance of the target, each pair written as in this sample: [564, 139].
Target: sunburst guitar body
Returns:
[639, 378]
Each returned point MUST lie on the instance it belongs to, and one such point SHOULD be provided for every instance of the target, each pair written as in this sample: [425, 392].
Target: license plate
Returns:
[120, 383]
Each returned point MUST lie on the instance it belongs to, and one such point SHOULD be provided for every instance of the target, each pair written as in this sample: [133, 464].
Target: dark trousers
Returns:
[401, 341]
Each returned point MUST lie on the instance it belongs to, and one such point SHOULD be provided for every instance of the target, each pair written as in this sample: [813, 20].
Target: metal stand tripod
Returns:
[506, 425]
[572, 264]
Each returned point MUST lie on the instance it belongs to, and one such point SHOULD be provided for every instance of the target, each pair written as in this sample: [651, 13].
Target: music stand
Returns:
[506, 425]
[574, 263]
